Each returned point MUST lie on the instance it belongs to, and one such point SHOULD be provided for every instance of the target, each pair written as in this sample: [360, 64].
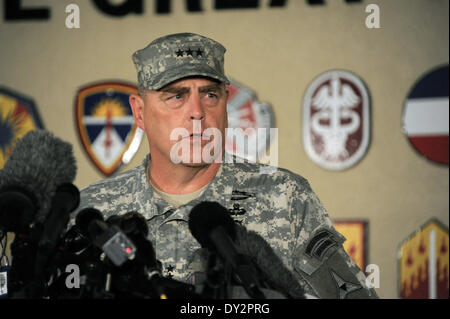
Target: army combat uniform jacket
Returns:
[280, 206]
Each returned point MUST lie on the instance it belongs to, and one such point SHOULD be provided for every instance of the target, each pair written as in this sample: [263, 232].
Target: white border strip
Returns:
[432, 265]
[426, 117]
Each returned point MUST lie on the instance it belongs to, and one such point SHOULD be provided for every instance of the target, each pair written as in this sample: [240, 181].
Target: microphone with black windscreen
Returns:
[98, 248]
[141, 277]
[17, 209]
[276, 274]
[65, 200]
[109, 238]
[38, 165]
[134, 226]
[211, 224]
[85, 217]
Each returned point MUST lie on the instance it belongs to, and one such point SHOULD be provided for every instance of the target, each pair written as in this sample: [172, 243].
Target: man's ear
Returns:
[137, 107]
[226, 117]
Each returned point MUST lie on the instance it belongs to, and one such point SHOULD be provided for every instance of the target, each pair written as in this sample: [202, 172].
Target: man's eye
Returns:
[211, 95]
[176, 96]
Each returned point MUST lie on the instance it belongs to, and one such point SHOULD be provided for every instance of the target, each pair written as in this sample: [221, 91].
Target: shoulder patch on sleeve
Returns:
[322, 244]
[319, 244]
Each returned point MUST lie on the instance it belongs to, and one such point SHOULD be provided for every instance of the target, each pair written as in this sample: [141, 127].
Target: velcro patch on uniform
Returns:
[322, 244]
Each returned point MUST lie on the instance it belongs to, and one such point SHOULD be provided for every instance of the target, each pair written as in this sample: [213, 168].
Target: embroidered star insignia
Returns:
[345, 287]
[170, 268]
[179, 53]
[189, 52]
[199, 52]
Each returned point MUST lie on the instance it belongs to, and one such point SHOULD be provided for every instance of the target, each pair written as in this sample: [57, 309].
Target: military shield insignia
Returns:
[425, 115]
[106, 125]
[336, 124]
[355, 232]
[18, 116]
[423, 263]
[249, 122]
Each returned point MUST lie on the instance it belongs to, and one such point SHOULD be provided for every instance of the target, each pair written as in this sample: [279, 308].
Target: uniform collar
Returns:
[219, 190]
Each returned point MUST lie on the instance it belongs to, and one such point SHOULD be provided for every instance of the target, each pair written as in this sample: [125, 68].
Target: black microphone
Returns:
[66, 199]
[84, 218]
[39, 163]
[211, 224]
[134, 226]
[114, 243]
[142, 275]
[17, 210]
[276, 274]
[134, 276]
[131, 223]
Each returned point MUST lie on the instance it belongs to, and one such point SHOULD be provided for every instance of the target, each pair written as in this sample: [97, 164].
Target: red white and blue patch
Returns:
[18, 116]
[253, 118]
[425, 115]
[106, 125]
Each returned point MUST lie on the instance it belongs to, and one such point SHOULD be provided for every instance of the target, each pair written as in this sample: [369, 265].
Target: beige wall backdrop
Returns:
[276, 52]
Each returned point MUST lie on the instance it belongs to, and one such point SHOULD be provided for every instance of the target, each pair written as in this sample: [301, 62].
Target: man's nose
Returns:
[196, 109]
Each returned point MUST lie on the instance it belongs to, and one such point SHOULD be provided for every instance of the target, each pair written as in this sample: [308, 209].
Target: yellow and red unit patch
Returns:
[106, 125]
[18, 116]
[355, 231]
[423, 263]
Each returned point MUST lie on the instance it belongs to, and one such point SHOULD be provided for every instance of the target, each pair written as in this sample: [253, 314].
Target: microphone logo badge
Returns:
[106, 125]
[18, 116]
[336, 124]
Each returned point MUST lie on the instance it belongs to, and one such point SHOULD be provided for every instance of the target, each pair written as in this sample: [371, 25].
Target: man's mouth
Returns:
[197, 137]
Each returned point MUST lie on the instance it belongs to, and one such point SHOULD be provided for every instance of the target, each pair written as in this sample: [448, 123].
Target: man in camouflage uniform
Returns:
[182, 82]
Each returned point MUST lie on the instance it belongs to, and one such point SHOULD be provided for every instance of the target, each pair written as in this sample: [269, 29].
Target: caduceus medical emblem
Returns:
[336, 120]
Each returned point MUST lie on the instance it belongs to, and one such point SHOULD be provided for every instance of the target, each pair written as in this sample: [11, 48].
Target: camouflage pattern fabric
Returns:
[281, 207]
[176, 56]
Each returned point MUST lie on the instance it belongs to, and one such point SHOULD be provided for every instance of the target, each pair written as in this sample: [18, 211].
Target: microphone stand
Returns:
[248, 276]
[218, 279]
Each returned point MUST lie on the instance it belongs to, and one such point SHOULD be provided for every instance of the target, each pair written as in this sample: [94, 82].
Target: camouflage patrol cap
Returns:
[177, 56]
